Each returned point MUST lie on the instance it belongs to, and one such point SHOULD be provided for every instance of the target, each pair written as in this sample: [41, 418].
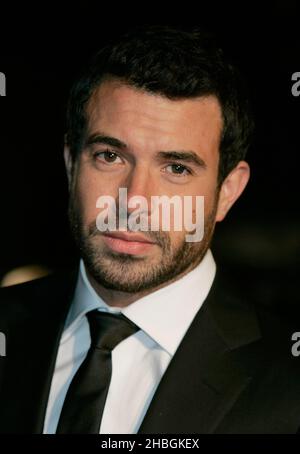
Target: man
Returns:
[157, 113]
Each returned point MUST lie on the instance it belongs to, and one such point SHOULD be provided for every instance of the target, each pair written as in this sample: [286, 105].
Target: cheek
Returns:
[202, 204]
[209, 204]
[210, 195]
[176, 239]
[88, 189]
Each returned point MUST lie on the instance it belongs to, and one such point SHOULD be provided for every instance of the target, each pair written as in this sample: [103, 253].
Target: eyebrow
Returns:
[104, 139]
[184, 156]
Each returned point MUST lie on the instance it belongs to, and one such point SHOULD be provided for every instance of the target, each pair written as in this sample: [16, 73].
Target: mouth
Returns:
[128, 243]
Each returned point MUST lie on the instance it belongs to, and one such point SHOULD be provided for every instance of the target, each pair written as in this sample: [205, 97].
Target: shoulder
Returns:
[249, 301]
[39, 294]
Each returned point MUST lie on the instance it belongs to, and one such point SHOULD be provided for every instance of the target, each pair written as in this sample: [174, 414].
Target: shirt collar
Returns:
[165, 315]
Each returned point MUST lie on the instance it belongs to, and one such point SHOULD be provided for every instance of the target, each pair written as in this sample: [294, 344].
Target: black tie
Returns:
[84, 403]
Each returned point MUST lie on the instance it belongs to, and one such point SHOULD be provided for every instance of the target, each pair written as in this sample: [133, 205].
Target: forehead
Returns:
[141, 118]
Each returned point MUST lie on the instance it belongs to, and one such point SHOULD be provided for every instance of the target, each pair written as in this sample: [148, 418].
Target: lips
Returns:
[128, 243]
[129, 237]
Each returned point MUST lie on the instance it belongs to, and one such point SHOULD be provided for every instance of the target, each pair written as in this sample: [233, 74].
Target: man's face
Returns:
[129, 140]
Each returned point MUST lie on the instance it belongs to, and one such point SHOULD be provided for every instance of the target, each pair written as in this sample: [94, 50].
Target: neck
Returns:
[116, 298]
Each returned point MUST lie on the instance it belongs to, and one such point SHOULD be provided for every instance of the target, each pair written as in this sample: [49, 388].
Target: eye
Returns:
[108, 157]
[178, 169]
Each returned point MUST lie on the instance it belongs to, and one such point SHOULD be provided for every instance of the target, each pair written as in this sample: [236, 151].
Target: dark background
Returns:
[258, 241]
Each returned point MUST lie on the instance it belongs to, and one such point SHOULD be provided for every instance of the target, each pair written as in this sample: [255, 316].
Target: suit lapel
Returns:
[32, 342]
[205, 377]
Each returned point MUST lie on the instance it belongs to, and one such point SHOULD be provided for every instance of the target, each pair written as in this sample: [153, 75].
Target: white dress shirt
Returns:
[138, 362]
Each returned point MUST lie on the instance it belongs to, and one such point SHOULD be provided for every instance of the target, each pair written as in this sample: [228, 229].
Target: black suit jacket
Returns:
[232, 373]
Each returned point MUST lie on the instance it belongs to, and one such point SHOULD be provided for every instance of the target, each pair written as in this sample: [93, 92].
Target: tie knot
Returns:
[108, 330]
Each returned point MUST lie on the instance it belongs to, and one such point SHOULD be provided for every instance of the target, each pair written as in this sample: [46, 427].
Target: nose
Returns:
[139, 183]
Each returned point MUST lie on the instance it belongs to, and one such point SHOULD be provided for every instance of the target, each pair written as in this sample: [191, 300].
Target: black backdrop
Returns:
[262, 230]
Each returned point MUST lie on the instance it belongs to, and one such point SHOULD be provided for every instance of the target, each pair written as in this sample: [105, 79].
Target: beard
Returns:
[132, 274]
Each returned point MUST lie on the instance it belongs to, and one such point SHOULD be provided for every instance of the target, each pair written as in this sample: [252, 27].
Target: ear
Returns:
[68, 163]
[232, 187]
